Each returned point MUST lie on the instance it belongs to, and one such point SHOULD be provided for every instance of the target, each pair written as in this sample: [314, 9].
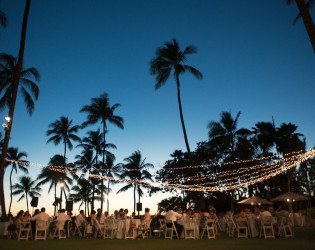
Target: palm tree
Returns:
[26, 187]
[228, 138]
[81, 193]
[28, 88]
[86, 162]
[133, 162]
[110, 173]
[55, 178]
[288, 141]
[100, 110]
[264, 135]
[15, 84]
[62, 130]
[15, 156]
[169, 59]
[225, 133]
[307, 18]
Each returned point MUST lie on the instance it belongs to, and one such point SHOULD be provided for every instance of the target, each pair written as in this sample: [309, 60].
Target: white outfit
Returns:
[172, 215]
[63, 217]
[41, 216]
[80, 219]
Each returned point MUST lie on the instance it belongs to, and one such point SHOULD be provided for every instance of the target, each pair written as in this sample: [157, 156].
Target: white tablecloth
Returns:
[182, 222]
[120, 225]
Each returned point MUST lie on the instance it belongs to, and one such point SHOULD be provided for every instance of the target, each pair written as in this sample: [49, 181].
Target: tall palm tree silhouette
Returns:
[63, 131]
[15, 84]
[26, 187]
[55, 178]
[169, 59]
[135, 169]
[100, 110]
[15, 155]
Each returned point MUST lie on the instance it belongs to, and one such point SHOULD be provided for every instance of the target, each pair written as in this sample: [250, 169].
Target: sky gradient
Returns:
[252, 59]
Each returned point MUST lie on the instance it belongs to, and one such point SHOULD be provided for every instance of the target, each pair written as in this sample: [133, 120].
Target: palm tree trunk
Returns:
[26, 194]
[16, 81]
[55, 198]
[102, 195]
[108, 195]
[10, 189]
[64, 155]
[134, 198]
[201, 199]
[307, 19]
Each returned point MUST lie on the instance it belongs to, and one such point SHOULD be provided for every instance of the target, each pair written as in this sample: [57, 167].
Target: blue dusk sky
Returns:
[252, 59]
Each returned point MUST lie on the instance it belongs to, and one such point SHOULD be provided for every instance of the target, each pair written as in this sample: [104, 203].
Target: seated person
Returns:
[80, 219]
[43, 216]
[146, 215]
[62, 216]
[173, 216]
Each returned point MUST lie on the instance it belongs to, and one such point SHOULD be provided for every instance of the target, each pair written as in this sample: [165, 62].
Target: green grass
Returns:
[303, 239]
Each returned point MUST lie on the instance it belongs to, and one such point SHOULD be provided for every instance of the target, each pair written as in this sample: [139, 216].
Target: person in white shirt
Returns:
[80, 219]
[41, 216]
[171, 215]
[101, 216]
[62, 216]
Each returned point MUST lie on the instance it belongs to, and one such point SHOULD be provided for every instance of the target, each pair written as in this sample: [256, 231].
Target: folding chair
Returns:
[98, 229]
[109, 229]
[190, 229]
[12, 231]
[170, 228]
[41, 230]
[231, 227]
[209, 227]
[78, 228]
[242, 228]
[25, 231]
[285, 229]
[130, 232]
[162, 226]
[146, 229]
[60, 231]
[266, 227]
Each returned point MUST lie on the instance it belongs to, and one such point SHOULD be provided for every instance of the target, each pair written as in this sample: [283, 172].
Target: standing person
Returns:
[173, 216]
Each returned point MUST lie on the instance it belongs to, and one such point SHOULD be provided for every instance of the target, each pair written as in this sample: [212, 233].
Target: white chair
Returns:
[41, 230]
[25, 231]
[231, 227]
[145, 228]
[170, 229]
[98, 229]
[130, 232]
[109, 229]
[285, 229]
[162, 226]
[242, 228]
[266, 227]
[209, 227]
[60, 231]
[79, 228]
[190, 229]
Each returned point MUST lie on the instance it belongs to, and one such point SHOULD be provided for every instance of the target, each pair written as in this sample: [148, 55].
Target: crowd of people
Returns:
[172, 216]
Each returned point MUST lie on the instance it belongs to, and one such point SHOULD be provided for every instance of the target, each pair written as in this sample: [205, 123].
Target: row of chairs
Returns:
[23, 230]
[240, 228]
[191, 229]
[109, 229]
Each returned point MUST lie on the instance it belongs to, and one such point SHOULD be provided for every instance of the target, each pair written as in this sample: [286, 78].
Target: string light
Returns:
[236, 182]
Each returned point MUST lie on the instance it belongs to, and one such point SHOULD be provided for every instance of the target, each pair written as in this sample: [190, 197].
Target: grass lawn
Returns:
[303, 239]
